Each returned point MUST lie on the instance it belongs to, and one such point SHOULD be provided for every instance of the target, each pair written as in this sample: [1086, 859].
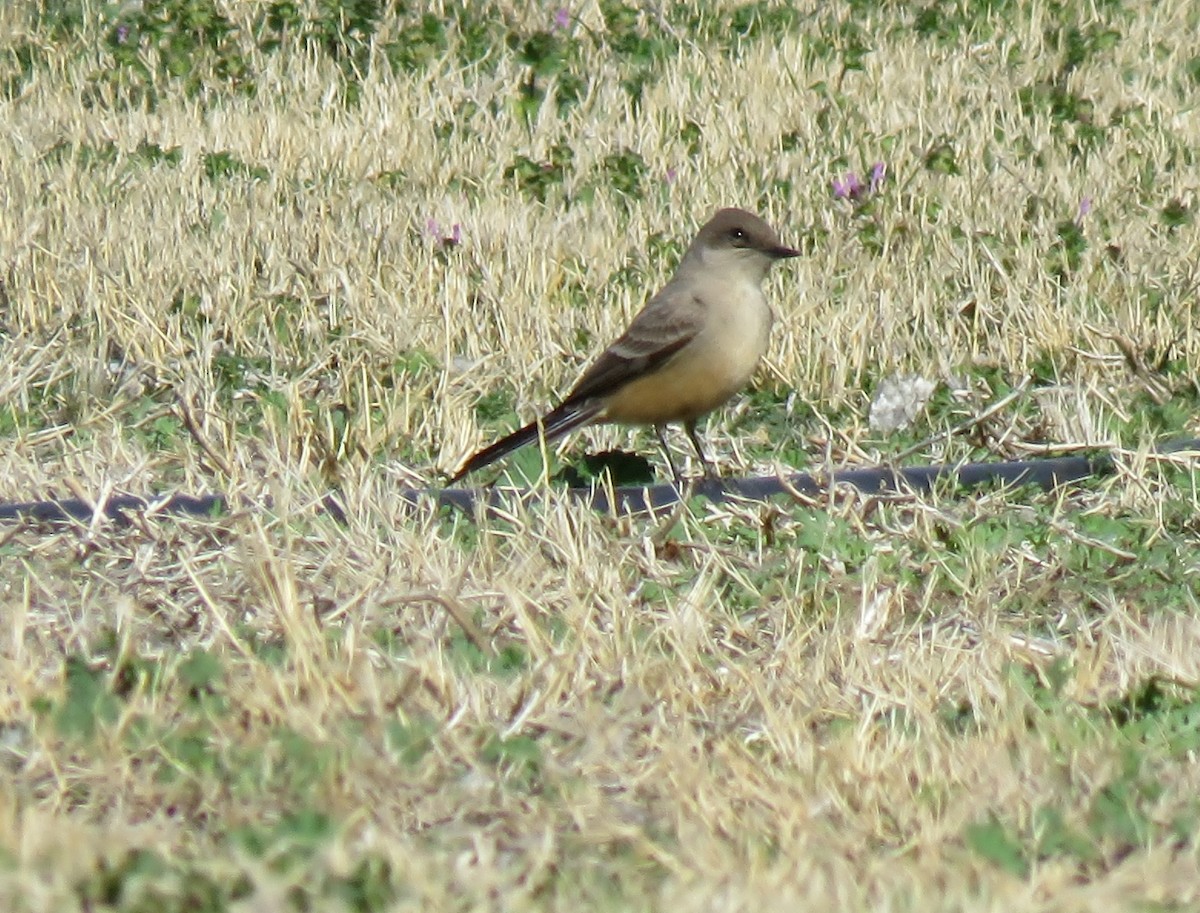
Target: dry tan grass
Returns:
[725, 714]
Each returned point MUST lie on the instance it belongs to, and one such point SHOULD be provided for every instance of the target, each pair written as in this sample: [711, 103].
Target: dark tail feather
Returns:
[552, 426]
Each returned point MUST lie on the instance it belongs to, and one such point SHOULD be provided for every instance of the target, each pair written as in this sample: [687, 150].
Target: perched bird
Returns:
[693, 346]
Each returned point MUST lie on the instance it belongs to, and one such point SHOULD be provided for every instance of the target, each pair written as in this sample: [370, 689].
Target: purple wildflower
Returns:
[878, 174]
[562, 19]
[848, 188]
[434, 230]
[1085, 206]
[852, 188]
[670, 176]
[122, 33]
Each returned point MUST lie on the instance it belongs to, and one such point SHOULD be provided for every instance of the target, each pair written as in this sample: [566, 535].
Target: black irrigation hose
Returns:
[1045, 473]
[115, 508]
[630, 499]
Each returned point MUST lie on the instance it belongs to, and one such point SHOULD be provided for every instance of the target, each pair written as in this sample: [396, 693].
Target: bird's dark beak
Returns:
[782, 253]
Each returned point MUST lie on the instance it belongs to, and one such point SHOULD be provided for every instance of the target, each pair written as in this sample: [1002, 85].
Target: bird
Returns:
[690, 349]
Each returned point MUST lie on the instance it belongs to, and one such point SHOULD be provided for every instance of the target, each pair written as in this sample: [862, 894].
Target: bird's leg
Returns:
[662, 440]
[709, 473]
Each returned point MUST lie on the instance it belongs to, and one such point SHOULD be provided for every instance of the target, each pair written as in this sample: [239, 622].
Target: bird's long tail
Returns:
[552, 426]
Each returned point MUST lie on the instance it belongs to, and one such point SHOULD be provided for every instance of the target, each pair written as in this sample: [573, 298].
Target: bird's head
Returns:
[734, 239]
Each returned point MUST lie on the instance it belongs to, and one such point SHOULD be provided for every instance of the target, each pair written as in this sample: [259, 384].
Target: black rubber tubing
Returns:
[1047, 473]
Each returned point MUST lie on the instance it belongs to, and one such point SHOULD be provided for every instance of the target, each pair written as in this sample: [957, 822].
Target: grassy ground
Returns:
[278, 249]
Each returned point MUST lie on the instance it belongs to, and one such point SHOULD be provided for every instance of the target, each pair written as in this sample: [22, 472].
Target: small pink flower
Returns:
[848, 188]
[434, 230]
[670, 176]
[878, 173]
[1085, 206]
[852, 188]
[562, 19]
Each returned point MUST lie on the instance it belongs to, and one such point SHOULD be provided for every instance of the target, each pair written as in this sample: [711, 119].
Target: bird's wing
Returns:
[668, 322]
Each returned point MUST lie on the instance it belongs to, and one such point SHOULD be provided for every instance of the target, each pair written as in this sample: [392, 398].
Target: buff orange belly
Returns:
[693, 383]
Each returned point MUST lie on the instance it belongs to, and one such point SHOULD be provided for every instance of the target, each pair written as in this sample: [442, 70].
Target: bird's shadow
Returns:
[620, 466]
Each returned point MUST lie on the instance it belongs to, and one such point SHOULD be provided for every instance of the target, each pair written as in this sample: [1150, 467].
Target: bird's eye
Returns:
[738, 236]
